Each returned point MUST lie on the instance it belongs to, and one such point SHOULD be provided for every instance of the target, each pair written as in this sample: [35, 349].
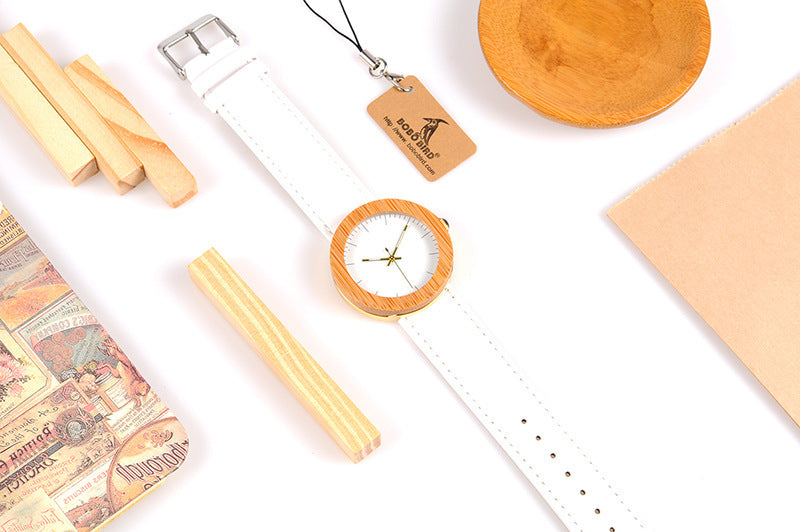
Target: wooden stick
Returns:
[61, 144]
[161, 167]
[115, 161]
[332, 409]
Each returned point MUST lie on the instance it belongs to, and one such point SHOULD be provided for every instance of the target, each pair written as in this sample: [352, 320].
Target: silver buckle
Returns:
[188, 32]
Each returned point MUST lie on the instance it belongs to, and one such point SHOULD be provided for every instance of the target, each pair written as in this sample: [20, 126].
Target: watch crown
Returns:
[445, 222]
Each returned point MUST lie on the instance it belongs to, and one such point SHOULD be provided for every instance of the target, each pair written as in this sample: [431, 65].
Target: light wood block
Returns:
[43, 122]
[332, 409]
[161, 167]
[122, 169]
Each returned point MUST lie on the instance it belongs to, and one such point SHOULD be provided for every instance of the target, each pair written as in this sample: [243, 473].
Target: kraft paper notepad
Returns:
[723, 226]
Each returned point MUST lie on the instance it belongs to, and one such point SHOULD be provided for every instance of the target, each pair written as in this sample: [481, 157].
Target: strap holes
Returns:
[583, 492]
[538, 438]
[597, 511]
[524, 421]
[552, 455]
[567, 474]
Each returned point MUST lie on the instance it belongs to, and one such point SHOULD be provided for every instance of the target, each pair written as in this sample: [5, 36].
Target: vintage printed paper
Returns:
[82, 434]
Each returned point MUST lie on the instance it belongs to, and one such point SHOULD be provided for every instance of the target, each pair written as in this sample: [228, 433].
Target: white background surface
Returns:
[686, 434]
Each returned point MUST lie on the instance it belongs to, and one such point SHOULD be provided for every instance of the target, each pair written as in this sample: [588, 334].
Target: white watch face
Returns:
[391, 254]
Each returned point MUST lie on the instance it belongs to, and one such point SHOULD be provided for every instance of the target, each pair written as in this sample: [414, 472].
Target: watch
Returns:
[392, 259]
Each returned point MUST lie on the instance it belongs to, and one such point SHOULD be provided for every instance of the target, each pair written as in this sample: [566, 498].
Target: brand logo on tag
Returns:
[430, 128]
[421, 137]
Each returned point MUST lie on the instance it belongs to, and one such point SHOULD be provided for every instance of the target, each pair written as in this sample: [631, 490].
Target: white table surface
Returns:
[665, 409]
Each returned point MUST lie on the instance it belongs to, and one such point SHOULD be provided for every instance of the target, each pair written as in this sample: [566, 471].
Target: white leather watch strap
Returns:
[502, 398]
[235, 85]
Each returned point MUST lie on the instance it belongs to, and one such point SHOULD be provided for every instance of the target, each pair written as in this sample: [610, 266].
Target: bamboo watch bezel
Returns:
[391, 307]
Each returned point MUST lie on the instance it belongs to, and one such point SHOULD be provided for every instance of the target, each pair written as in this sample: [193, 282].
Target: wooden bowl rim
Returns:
[385, 307]
[516, 86]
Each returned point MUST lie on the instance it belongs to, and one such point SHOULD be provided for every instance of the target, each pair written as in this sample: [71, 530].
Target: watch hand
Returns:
[404, 276]
[377, 260]
[402, 234]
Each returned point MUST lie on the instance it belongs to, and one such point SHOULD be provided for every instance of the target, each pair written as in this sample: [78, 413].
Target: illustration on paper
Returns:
[20, 377]
[72, 344]
[28, 282]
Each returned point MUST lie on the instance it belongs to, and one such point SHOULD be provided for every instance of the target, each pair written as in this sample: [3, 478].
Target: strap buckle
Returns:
[190, 32]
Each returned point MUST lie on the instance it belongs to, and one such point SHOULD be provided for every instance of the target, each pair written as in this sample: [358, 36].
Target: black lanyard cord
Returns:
[354, 40]
[377, 65]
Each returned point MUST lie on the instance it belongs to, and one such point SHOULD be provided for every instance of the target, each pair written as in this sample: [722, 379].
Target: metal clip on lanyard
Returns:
[377, 69]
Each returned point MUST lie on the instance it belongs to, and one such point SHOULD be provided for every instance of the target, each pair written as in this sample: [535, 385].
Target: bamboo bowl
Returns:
[596, 63]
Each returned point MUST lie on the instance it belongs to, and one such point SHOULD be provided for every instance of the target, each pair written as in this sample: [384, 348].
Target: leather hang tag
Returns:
[422, 129]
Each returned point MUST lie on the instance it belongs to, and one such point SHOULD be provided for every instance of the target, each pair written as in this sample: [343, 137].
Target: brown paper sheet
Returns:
[723, 226]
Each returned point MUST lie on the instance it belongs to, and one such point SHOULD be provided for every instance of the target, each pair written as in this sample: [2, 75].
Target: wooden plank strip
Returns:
[161, 167]
[304, 377]
[62, 145]
[122, 169]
